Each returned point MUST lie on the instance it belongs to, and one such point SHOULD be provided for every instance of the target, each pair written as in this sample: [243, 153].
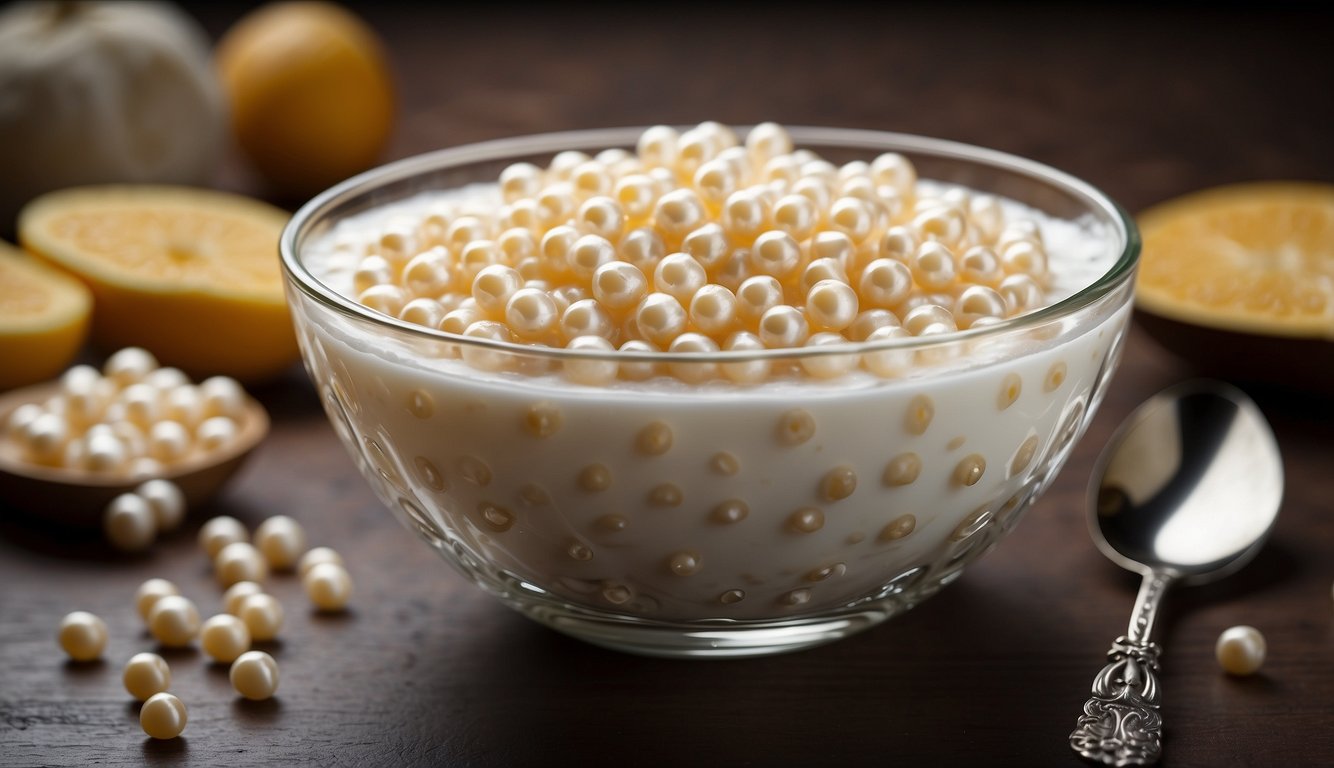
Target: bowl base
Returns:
[720, 639]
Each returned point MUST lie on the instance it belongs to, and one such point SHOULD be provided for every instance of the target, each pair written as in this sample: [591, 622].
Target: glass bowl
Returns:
[670, 511]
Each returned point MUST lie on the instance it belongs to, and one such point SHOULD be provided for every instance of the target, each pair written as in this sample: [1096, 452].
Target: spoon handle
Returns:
[1121, 724]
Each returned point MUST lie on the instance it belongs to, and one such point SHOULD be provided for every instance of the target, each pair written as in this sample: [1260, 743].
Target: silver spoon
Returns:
[1186, 492]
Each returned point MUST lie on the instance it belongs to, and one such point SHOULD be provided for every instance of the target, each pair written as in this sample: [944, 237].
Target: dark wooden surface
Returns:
[426, 669]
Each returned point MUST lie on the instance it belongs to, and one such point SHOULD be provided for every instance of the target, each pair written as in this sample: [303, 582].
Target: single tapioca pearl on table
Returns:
[254, 675]
[224, 637]
[328, 586]
[145, 675]
[262, 615]
[220, 531]
[282, 541]
[163, 716]
[173, 621]
[148, 593]
[128, 523]
[82, 635]
[239, 561]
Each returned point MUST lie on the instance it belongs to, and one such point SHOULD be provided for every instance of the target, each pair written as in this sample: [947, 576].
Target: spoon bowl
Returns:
[1186, 492]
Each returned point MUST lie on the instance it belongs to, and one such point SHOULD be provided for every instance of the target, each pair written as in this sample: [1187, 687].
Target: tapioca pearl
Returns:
[775, 253]
[857, 187]
[745, 215]
[222, 396]
[896, 171]
[1055, 377]
[129, 365]
[795, 598]
[1019, 229]
[613, 155]
[482, 358]
[215, 433]
[1024, 257]
[902, 470]
[611, 523]
[932, 266]
[45, 438]
[457, 321]
[827, 366]
[917, 418]
[920, 318]
[899, 243]
[666, 495]
[1024, 455]
[169, 441]
[805, 520]
[139, 403]
[371, 271]
[654, 439]
[493, 286]
[428, 273]
[430, 474]
[795, 215]
[818, 190]
[556, 204]
[642, 247]
[975, 302]
[517, 245]
[590, 179]
[724, 463]
[981, 266]
[543, 419]
[795, 427]
[678, 213]
[971, 524]
[531, 313]
[968, 472]
[829, 245]
[685, 563]
[884, 284]
[838, 483]
[734, 270]
[854, 217]
[766, 141]
[831, 305]
[780, 170]
[587, 254]
[732, 597]
[715, 180]
[20, 418]
[521, 214]
[531, 495]
[617, 594]
[473, 470]
[783, 326]
[713, 310]
[520, 180]
[637, 370]
[636, 194]
[822, 269]
[987, 216]
[595, 478]
[149, 592]
[868, 321]
[101, 452]
[708, 245]
[826, 572]
[495, 517]
[1022, 294]
[740, 161]
[618, 285]
[757, 295]
[693, 150]
[660, 318]
[424, 312]
[744, 371]
[679, 276]
[565, 295]
[729, 512]
[463, 230]
[385, 299]
[476, 256]
[693, 371]
[577, 550]
[898, 528]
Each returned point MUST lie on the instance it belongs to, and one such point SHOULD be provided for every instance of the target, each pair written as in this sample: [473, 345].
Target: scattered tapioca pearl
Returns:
[220, 531]
[239, 561]
[654, 439]
[795, 427]
[254, 675]
[282, 541]
[262, 615]
[82, 635]
[838, 483]
[898, 527]
[148, 593]
[316, 556]
[224, 637]
[146, 675]
[232, 597]
[163, 716]
[903, 469]
[328, 586]
[173, 621]
[129, 523]
[166, 500]
[1240, 650]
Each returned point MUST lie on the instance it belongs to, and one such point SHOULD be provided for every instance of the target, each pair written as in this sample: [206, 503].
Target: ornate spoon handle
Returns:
[1121, 724]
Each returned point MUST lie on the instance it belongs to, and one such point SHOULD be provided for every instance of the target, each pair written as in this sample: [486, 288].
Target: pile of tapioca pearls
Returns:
[133, 418]
[700, 242]
[249, 615]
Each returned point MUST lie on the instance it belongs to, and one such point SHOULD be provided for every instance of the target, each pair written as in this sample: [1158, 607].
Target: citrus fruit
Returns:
[43, 319]
[190, 274]
[310, 93]
[1253, 261]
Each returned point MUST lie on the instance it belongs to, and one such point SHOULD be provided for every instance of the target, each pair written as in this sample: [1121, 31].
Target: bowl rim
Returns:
[298, 275]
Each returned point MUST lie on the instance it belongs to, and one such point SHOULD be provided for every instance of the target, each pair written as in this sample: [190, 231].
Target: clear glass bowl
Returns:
[685, 515]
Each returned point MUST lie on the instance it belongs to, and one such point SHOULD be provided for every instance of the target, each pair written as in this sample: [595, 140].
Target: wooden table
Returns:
[426, 669]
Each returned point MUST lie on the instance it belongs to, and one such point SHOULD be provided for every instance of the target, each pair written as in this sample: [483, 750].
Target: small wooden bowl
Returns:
[77, 497]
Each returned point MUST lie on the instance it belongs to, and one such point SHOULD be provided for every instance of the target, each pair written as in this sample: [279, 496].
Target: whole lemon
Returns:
[311, 93]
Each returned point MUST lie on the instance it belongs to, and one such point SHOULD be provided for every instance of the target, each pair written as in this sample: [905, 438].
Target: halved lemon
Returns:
[43, 319]
[190, 274]
[1254, 260]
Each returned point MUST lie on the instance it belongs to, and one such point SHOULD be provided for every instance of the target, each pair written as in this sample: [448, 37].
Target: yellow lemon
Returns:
[310, 93]
[43, 319]
[192, 275]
